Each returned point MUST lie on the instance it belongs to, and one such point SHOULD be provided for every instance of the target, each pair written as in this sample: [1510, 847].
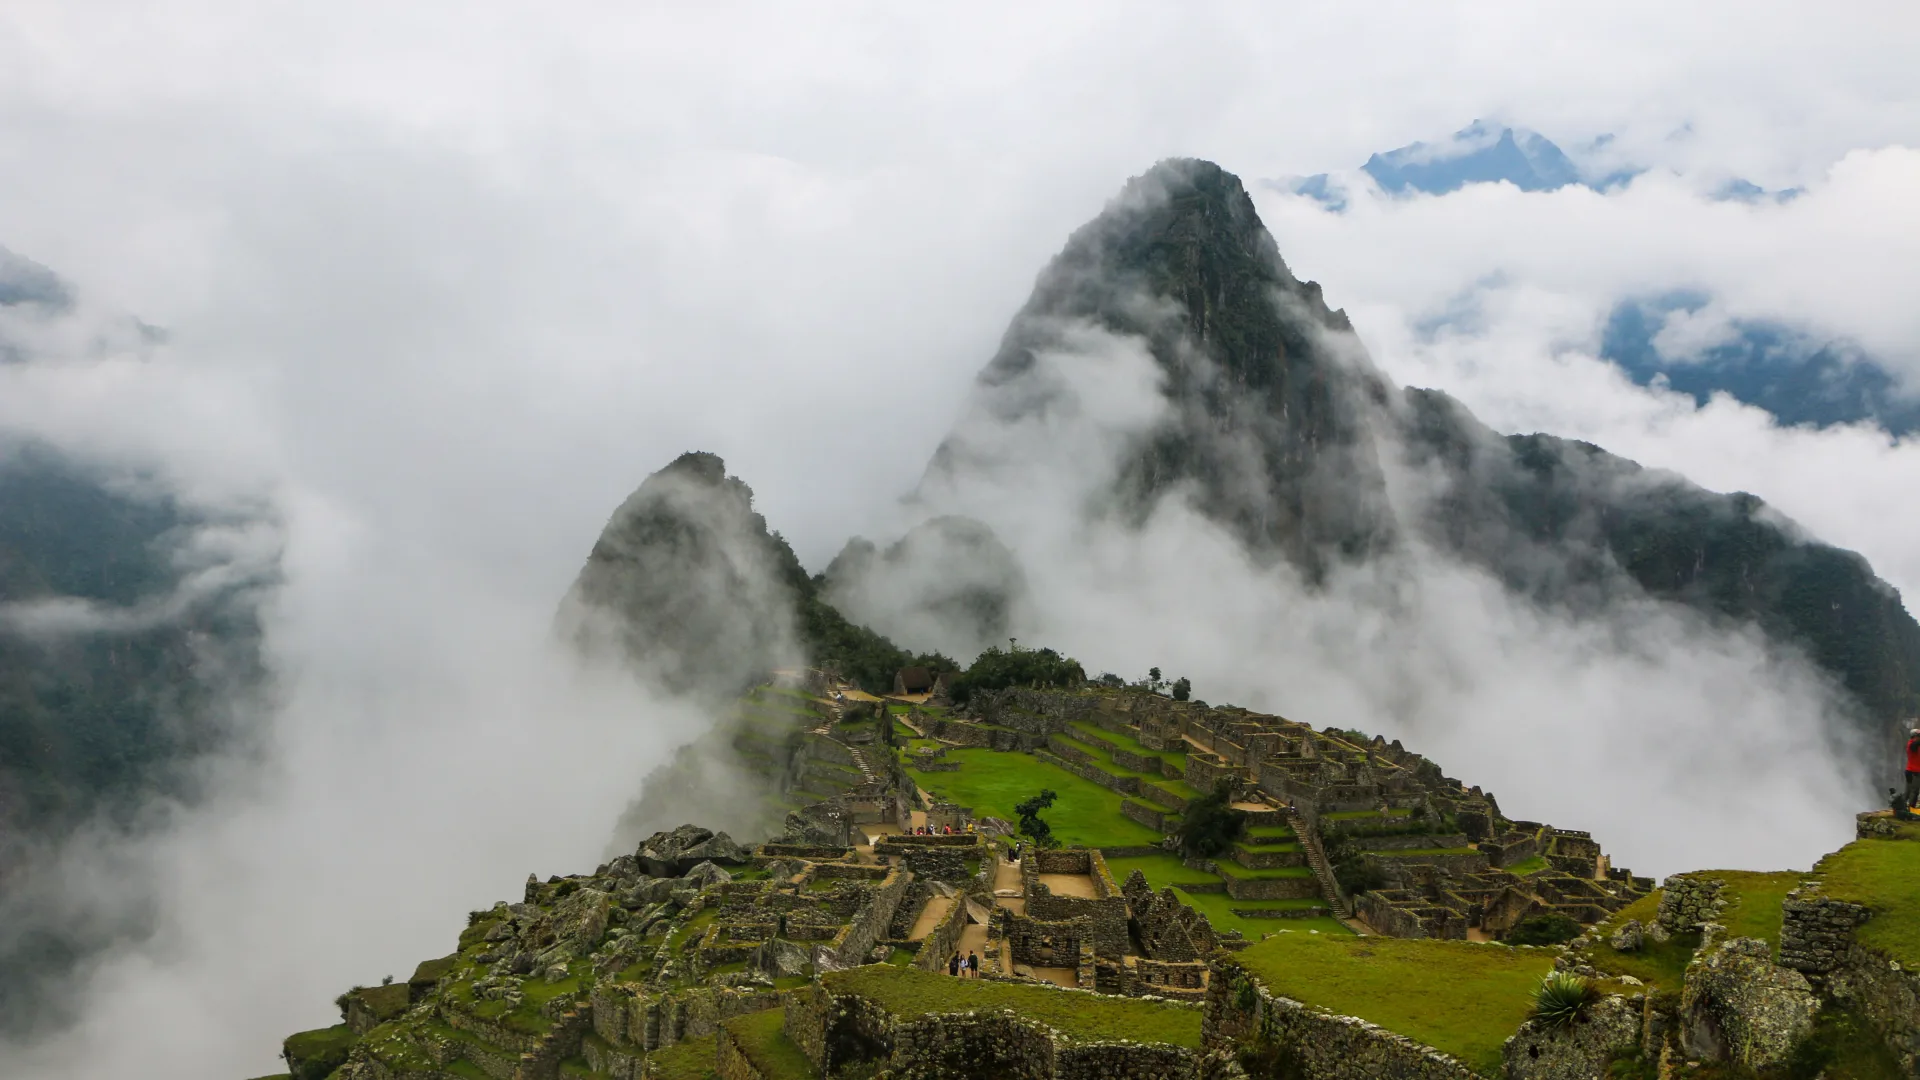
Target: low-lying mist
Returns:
[1680, 743]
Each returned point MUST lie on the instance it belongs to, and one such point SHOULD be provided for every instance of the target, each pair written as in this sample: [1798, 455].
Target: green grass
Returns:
[762, 1037]
[1273, 847]
[321, 1050]
[1131, 744]
[991, 782]
[1272, 832]
[690, 930]
[1235, 870]
[1661, 964]
[1161, 871]
[1218, 908]
[1461, 998]
[1755, 911]
[1361, 815]
[910, 994]
[1425, 851]
[1526, 867]
[692, 1059]
[1884, 875]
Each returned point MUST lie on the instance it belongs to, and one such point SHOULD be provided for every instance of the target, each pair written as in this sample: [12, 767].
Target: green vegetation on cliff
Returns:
[1461, 998]
[908, 994]
[1884, 876]
[1085, 815]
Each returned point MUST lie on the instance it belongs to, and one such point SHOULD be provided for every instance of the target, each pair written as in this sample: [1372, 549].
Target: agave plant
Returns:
[1563, 998]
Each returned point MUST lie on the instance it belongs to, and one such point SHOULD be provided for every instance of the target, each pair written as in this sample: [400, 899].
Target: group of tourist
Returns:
[964, 967]
[944, 830]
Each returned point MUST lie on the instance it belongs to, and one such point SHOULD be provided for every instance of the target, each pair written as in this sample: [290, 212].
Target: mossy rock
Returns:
[312, 1055]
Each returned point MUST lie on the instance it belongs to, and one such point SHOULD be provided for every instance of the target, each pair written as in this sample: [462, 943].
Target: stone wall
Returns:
[1146, 763]
[1145, 815]
[1578, 1051]
[938, 863]
[1687, 903]
[836, 1030]
[1817, 932]
[732, 1063]
[1300, 888]
[1242, 1014]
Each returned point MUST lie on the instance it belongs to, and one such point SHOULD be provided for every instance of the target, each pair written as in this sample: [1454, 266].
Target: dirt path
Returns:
[931, 916]
[1058, 976]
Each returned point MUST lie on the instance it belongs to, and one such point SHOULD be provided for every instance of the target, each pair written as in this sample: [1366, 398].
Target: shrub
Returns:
[1563, 998]
[1031, 825]
[1352, 870]
[1182, 689]
[1552, 928]
[996, 670]
[1210, 824]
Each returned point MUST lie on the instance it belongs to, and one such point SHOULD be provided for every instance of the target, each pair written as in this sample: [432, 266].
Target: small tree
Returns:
[1551, 928]
[1210, 824]
[1031, 825]
[1182, 689]
[1153, 678]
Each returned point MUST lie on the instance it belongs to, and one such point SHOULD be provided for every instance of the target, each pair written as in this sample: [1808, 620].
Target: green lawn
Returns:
[1462, 998]
[1235, 870]
[991, 782]
[1660, 964]
[1218, 908]
[1528, 866]
[692, 1059]
[1884, 875]
[762, 1037]
[1755, 911]
[1129, 743]
[909, 994]
[1161, 871]
[1266, 833]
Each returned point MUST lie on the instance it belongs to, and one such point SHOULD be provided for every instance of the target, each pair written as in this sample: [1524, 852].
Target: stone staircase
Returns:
[860, 762]
[1317, 861]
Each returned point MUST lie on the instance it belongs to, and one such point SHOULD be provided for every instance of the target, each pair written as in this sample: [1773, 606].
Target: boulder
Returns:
[1578, 1051]
[665, 854]
[1629, 938]
[1737, 1005]
[719, 848]
[707, 874]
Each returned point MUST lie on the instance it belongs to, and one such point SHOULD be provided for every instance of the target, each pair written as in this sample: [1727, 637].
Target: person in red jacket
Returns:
[1913, 767]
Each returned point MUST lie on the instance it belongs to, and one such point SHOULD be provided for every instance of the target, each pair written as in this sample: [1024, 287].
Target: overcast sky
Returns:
[444, 281]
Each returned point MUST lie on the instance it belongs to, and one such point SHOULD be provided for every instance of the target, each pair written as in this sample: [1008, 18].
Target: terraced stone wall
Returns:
[1686, 903]
[839, 1029]
[1241, 1013]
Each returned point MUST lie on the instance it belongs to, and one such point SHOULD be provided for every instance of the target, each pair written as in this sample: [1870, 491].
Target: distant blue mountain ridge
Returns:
[1798, 376]
[1485, 153]
[1795, 374]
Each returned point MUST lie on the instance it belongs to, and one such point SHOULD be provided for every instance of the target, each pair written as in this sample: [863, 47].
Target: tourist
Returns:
[1913, 767]
[953, 966]
[973, 964]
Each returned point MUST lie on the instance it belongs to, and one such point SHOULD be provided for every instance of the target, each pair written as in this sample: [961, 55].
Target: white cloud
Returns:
[445, 281]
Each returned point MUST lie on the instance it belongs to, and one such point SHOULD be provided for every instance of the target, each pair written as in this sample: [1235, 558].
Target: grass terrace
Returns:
[991, 782]
[1160, 870]
[1458, 997]
[692, 1059]
[1661, 964]
[1757, 897]
[1219, 909]
[1235, 870]
[762, 1037]
[1884, 875]
[1129, 743]
[1365, 815]
[1529, 866]
[910, 994]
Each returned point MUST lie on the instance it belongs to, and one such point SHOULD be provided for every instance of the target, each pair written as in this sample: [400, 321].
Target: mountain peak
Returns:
[1259, 377]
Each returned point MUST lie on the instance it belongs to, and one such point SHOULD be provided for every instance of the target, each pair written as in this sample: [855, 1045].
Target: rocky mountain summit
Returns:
[1267, 416]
